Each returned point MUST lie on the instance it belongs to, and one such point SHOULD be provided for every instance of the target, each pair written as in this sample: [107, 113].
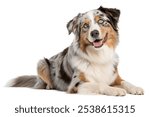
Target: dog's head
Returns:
[96, 27]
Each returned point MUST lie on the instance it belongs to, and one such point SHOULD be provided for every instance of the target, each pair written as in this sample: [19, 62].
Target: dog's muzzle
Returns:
[97, 43]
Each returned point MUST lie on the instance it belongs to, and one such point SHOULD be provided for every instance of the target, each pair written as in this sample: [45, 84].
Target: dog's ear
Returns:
[112, 13]
[73, 24]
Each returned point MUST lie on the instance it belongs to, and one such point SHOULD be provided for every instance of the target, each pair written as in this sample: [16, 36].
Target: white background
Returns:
[33, 29]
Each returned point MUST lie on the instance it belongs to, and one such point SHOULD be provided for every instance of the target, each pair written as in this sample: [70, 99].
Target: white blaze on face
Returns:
[93, 25]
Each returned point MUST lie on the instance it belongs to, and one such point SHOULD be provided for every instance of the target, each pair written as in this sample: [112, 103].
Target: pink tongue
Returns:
[97, 44]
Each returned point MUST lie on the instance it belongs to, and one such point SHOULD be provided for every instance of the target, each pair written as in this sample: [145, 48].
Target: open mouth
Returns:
[99, 42]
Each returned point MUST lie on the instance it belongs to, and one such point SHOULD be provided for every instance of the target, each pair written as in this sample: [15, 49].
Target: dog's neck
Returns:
[101, 55]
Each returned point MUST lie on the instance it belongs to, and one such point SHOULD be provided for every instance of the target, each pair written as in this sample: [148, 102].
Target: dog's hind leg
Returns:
[43, 70]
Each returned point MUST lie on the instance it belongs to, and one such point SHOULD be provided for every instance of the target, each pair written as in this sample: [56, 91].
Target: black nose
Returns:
[94, 33]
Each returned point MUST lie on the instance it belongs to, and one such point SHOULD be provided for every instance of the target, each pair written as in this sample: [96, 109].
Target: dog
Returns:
[89, 64]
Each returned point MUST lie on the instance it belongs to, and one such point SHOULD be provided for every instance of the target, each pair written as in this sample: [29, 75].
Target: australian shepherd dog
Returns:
[89, 64]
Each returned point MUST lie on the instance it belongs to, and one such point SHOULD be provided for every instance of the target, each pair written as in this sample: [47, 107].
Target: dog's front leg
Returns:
[77, 79]
[80, 85]
[100, 88]
[130, 88]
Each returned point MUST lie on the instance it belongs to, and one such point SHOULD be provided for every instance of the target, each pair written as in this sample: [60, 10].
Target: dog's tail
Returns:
[41, 81]
[30, 81]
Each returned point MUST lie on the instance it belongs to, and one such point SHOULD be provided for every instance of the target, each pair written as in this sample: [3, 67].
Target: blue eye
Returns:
[100, 21]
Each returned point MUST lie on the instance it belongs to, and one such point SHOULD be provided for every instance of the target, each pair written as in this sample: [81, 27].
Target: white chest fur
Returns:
[97, 67]
[100, 73]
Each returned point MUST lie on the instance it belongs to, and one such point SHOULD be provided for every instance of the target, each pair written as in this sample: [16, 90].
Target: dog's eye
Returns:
[100, 21]
[106, 23]
[85, 26]
[103, 22]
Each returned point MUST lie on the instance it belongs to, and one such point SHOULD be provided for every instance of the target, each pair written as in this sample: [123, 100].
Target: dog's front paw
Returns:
[131, 89]
[136, 91]
[113, 91]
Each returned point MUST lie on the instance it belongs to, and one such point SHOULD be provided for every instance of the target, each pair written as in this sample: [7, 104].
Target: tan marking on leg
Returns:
[82, 77]
[117, 81]
[44, 73]
[73, 88]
